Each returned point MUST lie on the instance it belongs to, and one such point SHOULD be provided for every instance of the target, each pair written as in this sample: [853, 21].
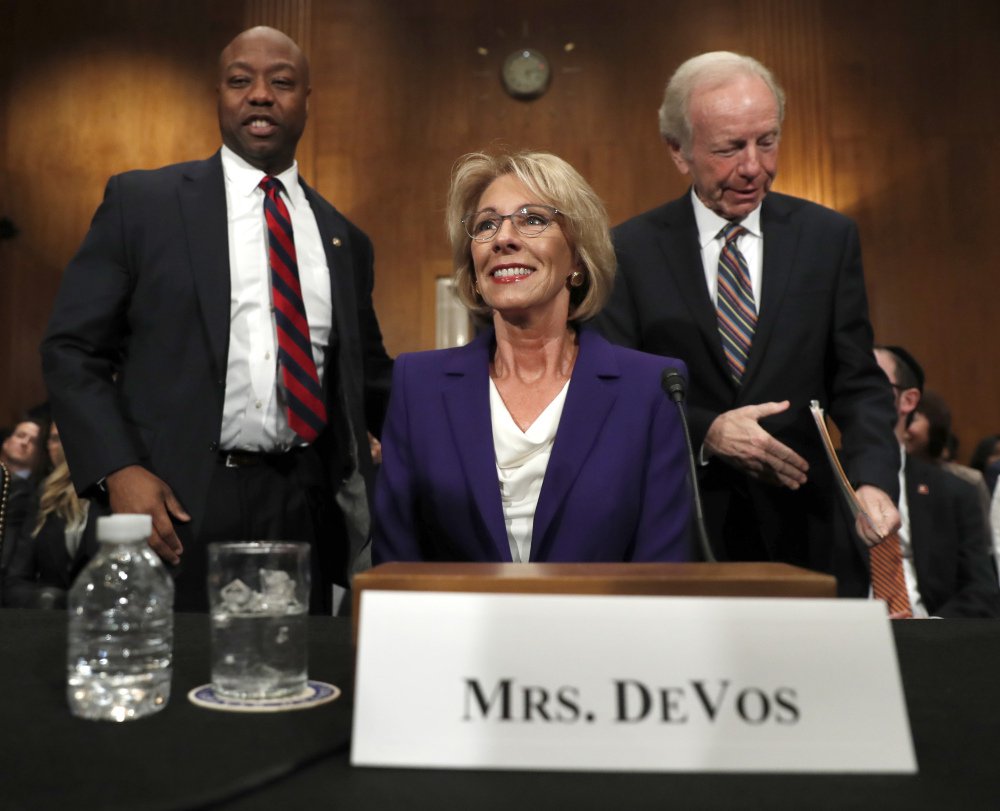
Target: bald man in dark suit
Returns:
[162, 353]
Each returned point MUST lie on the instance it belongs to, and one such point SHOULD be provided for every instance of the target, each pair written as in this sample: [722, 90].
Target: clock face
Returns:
[526, 74]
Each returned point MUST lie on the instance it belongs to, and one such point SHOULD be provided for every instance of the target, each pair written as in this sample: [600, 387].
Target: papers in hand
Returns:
[838, 471]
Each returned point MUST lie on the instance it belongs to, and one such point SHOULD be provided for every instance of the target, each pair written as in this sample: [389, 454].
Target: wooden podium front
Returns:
[662, 579]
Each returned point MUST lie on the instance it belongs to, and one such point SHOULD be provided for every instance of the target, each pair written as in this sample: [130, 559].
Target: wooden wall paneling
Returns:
[359, 115]
[293, 17]
[786, 36]
[92, 89]
[890, 120]
[913, 135]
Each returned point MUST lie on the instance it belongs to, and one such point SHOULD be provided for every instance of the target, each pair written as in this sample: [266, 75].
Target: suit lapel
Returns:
[337, 249]
[918, 505]
[780, 243]
[333, 234]
[592, 392]
[466, 397]
[203, 210]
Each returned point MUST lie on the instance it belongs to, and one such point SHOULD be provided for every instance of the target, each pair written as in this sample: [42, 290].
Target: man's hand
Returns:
[883, 517]
[134, 489]
[376, 449]
[737, 438]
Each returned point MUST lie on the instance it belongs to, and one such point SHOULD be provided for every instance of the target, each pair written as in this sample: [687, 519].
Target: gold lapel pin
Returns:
[336, 242]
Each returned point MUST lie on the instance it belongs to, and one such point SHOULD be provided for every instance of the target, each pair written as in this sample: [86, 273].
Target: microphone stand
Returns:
[672, 383]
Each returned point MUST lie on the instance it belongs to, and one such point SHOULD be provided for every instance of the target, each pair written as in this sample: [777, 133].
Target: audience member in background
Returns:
[995, 520]
[927, 436]
[929, 426]
[21, 453]
[944, 538]
[4, 493]
[992, 474]
[54, 544]
[950, 452]
[986, 459]
[586, 448]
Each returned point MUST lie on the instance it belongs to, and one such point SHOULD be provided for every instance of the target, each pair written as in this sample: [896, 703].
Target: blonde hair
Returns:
[59, 497]
[585, 222]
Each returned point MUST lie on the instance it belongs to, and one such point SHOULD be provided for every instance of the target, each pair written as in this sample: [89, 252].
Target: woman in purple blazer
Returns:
[539, 441]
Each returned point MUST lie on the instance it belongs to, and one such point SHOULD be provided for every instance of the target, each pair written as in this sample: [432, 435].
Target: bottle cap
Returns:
[123, 528]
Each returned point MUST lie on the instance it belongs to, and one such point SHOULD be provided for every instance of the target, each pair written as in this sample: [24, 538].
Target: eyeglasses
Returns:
[529, 221]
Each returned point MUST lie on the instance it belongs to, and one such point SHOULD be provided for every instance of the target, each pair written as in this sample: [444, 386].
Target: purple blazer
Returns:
[616, 484]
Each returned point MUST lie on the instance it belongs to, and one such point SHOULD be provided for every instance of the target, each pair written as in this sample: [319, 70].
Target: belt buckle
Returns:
[236, 459]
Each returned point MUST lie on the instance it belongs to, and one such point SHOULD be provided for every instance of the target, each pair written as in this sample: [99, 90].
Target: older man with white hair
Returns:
[763, 296]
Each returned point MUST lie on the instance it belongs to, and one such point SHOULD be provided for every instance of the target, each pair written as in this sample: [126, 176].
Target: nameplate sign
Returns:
[617, 683]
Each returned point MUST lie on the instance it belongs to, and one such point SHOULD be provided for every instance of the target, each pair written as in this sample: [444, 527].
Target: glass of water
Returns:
[259, 601]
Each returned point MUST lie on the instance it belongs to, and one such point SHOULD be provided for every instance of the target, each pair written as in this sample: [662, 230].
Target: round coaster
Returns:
[314, 694]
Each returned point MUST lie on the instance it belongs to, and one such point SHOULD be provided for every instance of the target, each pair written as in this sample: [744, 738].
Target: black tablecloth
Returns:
[186, 757]
[181, 757]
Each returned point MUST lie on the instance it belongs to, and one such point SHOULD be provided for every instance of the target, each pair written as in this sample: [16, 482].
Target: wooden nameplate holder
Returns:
[655, 579]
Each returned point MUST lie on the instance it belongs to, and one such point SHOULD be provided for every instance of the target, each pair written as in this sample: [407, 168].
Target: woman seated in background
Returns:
[539, 441]
[54, 543]
[986, 459]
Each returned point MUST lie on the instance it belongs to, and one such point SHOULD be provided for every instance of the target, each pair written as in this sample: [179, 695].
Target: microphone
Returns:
[672, 383]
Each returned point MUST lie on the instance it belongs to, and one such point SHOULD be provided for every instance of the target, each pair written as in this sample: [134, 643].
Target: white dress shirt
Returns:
[750, 244]
[521, 458]
[253, 416]
[73, 532]
[906, 548]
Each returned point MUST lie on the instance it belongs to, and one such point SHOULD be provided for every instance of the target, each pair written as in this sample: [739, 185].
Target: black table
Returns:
[186, 757]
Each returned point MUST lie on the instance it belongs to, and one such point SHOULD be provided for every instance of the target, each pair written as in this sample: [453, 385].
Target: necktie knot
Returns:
[732, 231]
[272, 186]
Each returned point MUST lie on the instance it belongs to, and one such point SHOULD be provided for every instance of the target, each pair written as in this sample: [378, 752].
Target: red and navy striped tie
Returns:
[300, 383]
[734, 303]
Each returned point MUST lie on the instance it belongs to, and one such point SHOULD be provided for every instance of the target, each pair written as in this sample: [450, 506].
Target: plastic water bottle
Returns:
[121, 626]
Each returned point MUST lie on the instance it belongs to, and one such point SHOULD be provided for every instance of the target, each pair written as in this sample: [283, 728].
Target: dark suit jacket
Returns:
[21, 491]
[813, 341]
[41, 570]
[148, 297]
[951, 543]
[615, 488]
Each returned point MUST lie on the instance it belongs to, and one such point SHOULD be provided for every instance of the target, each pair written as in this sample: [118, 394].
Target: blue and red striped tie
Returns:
[734, 303]
[300, 383]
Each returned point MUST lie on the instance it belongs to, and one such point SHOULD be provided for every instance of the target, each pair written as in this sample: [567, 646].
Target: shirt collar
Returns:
[244, 179]
[709, 223]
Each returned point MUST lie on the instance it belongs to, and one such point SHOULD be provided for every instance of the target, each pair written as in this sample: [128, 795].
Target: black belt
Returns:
[252, 458]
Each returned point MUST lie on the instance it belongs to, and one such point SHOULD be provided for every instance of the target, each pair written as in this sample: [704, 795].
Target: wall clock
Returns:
[526, 74]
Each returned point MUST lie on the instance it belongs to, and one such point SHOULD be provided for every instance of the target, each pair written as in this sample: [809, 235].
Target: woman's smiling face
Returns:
[517, 273]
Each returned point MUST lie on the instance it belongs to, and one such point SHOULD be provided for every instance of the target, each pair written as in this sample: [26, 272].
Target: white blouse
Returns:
[74, 530]
[521, 458]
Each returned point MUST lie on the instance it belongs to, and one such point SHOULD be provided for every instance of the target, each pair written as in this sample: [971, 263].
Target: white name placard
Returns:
[628, 683]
